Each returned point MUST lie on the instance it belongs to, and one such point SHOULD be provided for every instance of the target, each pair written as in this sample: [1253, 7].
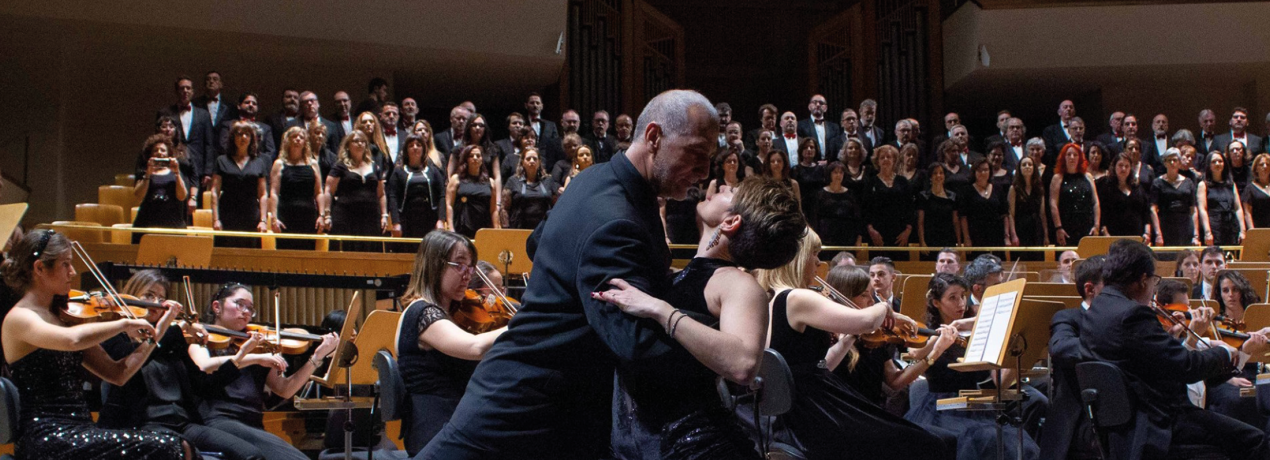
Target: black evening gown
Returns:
[1221, 214]
[55, 420]
[160, 208]
[937, 218]
[471, 207]
[240, 199]
[530, 201]
[985, 216]
[1123, 215]
[829, 419]
[810, 180]
[355, 206]
[1174, 210]
[890, 210]
[297, 204]
[672, 410]
[435, 381]
[416, 199]
[958, 182]
[681, 217]
[1076, 207]
[1257, 198]
[1027, 218]
[839, 217]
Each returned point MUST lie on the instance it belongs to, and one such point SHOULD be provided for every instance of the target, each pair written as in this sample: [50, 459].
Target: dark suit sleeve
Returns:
[619, 249]
[1065, 339]
[207, 147]
[1165, 358]
[396, 183]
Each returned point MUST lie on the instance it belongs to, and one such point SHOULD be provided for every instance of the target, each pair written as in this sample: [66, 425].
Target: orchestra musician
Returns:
[436, 355]
[237, 407]
[1066, 427]
[45, 355]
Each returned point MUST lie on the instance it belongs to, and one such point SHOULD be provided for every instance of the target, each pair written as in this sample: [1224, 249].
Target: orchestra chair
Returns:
[203, 218]
[105, 214]
[10, 407]
[390, 397]
[126, 180]
[82, 235]
[1110, 406]
[117, 195]
[122, 234]
[773, 397]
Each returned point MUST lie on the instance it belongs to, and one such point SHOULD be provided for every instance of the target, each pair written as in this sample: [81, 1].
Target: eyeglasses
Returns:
[465, 270]
[244, 307]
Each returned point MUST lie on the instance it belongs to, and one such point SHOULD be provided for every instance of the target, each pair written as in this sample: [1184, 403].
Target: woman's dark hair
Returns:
[43, 246]
[974, 170]
[767, 167]
[994, 145]
[485, 138]
[1247, 296]
[1132, 179]
[222, 293]
[333, 321]
[835, 166]
[935, 290]
[1127, 262]
[524, 134]
[483, 176]
[722, 157]
[1102, 154]
[1181, 258]
[156, 140]
[772, 224]
[403, 159]
[1022, 191]
[1225, 170]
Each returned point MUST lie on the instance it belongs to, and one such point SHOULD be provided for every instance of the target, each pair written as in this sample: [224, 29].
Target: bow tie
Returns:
[390, 131]
[247, 118]
[819, 122]
[213, 99]
[186, 108]
[1161, 136]
[1016, 144]
[344, 118]
[790, 136]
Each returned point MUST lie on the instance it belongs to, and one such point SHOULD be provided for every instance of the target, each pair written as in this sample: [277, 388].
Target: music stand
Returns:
[175, 250]
[348, 333]
[10, 217]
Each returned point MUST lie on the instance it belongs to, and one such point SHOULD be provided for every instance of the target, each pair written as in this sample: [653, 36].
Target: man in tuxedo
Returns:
[868, 122]
[515, 122]
[342, 117]
[1206, 138]
[788, 138]
[951, 119]
[290, 111]
[1066, 426]
[376, 94]
[216, 104]
[818, 128]
[1153, 148]
[903, 133]
[1115, 131]
[624, 127]
[767, 116]
[1056, 135]
[1211, 261]
[1015, 142]
[1076, 132]
[548, 134]
[850, 124]
[570, 122]
[962, 136]
[193, 128]
[1239, 132]
[448, 139]
[1129, 130]
[544, 390]
[310, 114]
[409, 115]
[603, 145]
[389, 115]
[1003, 117]
[725, 117]
[248, 110]
[1121, 329]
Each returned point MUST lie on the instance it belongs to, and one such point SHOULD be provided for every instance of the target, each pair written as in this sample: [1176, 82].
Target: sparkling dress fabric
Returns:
[56, 423]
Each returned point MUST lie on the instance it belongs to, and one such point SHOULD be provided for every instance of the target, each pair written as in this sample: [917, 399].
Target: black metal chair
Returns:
[1110, 406]
[10, 407]
[390, 394]
[773, 397]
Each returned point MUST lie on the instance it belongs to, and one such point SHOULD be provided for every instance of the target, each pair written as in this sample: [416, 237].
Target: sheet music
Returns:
[991, 327]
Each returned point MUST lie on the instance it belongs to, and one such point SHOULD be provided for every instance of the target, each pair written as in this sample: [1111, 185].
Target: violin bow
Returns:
[111, 293]
[498, 293]
[837, 294]
[277, 320]
[1010, 276]
[1155, 305]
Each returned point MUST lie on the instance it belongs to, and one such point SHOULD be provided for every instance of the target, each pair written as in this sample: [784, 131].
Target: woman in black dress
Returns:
[355, 195]
[471, 195]
[808, 175]
[162, 189]
[237, 407]
[983, 210]
[1073, 202]
[858, 171]
[909, 167]
[1173, 208]
[436, 356]
[1238, 159]
[889, 210]
[938, 224]
[828, 418]
[1220, 212]
[296, 187]
[1097, 155]
[839, 210]
[583, 159]
[238, 188]
[476, 133]
[674, 412]
[776, 167]
[326, 158]
[1001, 178]
[1125, 207]
[48, 358]
[1256, 197]
[728, 172]
[957, 174]
[1026, 203]
[530, 193]
[415, 191]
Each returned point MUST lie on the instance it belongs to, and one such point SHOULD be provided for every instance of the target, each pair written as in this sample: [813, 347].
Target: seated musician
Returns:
[1234, 294]
[1121, 329]
[165, 397]
[976, 430]
[1067, 428]
[829, 419]
[495, 277]
[438, 356]
[238, 407]
[46, 355]
[1173, 292]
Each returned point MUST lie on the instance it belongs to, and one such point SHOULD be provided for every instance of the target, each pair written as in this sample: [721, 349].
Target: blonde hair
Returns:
[344, 156]
[792, 274]
[285, 151]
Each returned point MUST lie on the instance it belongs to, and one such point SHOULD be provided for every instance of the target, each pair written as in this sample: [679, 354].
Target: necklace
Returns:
[985, 192]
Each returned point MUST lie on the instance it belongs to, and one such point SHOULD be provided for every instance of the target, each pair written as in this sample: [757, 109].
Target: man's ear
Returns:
[731, 224]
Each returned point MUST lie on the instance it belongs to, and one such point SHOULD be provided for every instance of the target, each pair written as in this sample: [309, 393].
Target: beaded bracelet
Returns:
[682, 315]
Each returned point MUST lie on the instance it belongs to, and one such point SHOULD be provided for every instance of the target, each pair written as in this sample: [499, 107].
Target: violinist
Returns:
[164, 397]
[437, 356]
[1066, 426]
[45, 356]
[1234, 294]
[238, 407]
[976, 431]
[1120, 328]
[1169, 295]
[803, 323]
[717, 315]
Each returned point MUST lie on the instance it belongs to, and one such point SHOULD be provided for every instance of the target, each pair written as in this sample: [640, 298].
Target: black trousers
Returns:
[208, 439]
[254, 442]
[1236, 439]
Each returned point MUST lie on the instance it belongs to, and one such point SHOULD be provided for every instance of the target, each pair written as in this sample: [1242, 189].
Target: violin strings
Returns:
[108, 288]
[498, 293]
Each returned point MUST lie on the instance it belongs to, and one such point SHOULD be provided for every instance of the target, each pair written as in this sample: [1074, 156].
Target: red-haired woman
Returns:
[1073, 203]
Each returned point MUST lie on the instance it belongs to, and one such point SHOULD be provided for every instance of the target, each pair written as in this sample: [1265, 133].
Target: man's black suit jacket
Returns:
[224, 109]
[1157, 367]
[266, 148]
[832, 130]
[1255, 143]
[544, 390]
[278, 123]
[1066, 416]
[602, 149]
[549, 138]
[198, 142]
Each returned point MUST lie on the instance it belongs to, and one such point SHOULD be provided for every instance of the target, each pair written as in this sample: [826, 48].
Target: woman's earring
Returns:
[714, 239]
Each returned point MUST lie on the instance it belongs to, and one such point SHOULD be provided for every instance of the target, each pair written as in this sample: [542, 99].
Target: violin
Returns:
[291, 341]
[106, 306]
[1221, 330]
[479, 314]
[884, 335]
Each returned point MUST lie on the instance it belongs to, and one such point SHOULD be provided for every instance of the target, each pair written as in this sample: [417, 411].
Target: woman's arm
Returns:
[1056, 184]
[1155, 222]
[1097, 205]
[956, 224]
[498, 171]
[1011, 233]
[495, 203]
[1248, 224]
[262, 197]
[451, 189]
[447, 337]
[1239, 212]
[965, 232]
[1201, 201]
[286, 386]
[808, 308]
[142, 184]
[275, 183]
[216, 202]
[182, 193]
[921, 227]
[383, 207]
[38, 333]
